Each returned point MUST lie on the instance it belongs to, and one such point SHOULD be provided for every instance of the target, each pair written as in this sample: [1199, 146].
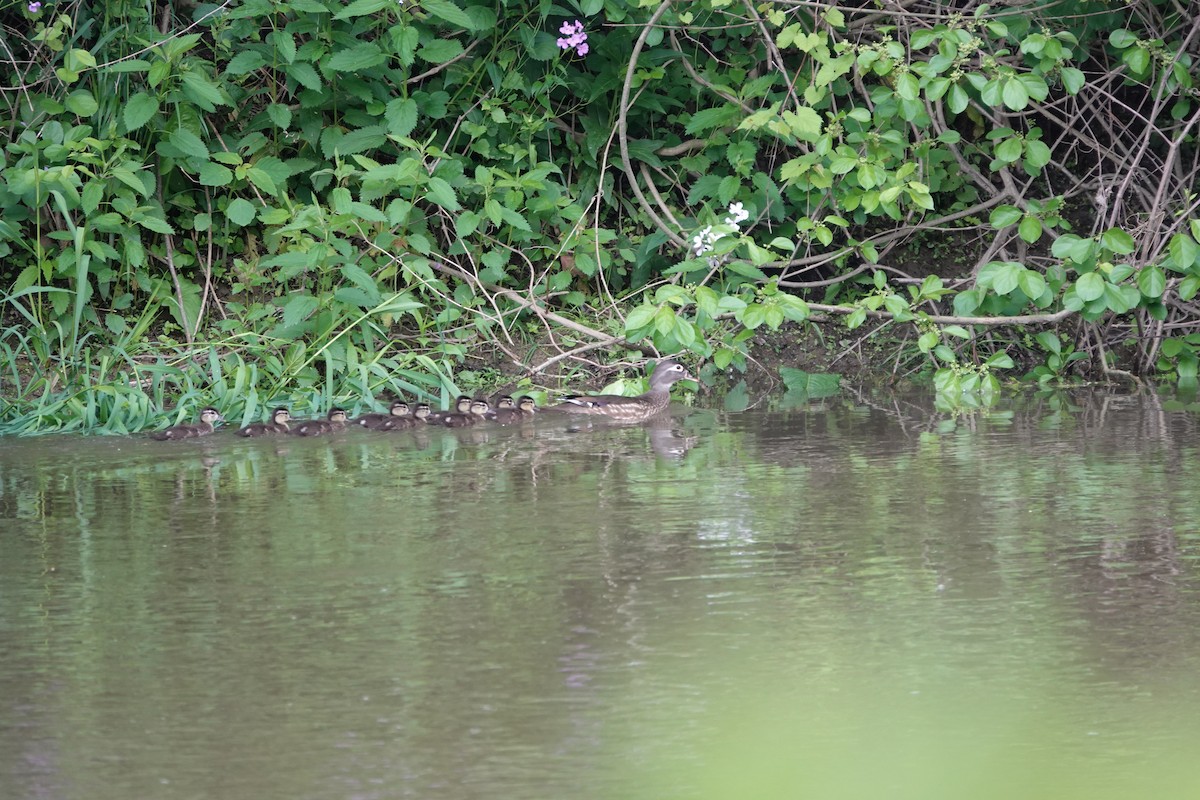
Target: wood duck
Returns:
[462, 407]
[506, 413]
[631, 409]
[422, 413]
[202, 428]
[278, 424]
[399, 412]
[334, 421]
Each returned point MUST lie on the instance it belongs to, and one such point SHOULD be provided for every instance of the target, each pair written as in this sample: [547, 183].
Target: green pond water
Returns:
[860, 598]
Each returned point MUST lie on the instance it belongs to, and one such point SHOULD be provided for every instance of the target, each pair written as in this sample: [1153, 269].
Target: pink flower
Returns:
[573, 37]
[34, 7]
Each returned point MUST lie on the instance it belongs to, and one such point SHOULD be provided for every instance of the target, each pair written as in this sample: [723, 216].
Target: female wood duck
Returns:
[334, 421]
[397, 412]
[202, 428]
[506, 413]
[631, 409]
[278, 424]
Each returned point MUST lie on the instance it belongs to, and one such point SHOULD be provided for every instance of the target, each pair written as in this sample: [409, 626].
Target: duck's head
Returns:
[210, 415]
[422, 411]
[668, 372]
[337, 415]
[480, 407]
[463, 404]
[281, 416]
[527, 404]
[504, 402]
[399, 409]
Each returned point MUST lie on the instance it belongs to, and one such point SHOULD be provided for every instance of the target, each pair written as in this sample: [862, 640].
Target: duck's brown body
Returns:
[278, 425]
[335, 421]
[190, 431]
[630, 409]
[399, 416]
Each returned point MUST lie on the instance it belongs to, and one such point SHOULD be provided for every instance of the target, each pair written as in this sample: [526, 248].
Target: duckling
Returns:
[399, 410]
[334, 421]
[278, 424]
[506, 413]
[422, 413]
[400, 420]
[462, 407]
[527, 406]
[202, 428]
[465, 414]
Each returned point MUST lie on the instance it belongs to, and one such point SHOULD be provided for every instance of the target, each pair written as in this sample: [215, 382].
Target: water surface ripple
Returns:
[849, 599]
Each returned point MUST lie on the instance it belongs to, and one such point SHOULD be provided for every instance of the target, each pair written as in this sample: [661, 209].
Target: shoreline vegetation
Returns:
[253, 203]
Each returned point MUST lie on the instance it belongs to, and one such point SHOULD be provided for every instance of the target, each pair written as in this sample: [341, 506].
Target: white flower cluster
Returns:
[704, 240]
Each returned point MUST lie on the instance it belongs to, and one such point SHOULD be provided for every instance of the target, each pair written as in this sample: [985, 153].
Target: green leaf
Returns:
[139, 109]
[81, 103]
[440, 192]
[1121, 38]
[357, 58]
[245, 62]
[1009, 150]
[201, 91]
[1014, 94]
[440, 51]
[1137, 59]
[401, 116]
[1037, 154]
[212, 174]
[1030, 229]
[907, 86]
[305, 75]
[804, 123]
[1090, 286]
[1184, 251]
[93, 193]
[1003, 216]
[188, 143]
[240, 212]
[360, 8]
[360, 140]
[1072, 79]
[710, 118]
[1031, 283]
[1151, 281]
[447, 11]
[1118, 241]
[280, 115]
[298, 308]
[640, 318]
[958, 99]
[156, 224]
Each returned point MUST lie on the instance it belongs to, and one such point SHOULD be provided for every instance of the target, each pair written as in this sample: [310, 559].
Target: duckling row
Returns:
[467, 412]
[400, 416]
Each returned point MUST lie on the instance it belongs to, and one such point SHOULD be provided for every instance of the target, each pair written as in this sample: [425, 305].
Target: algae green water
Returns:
[838, 601]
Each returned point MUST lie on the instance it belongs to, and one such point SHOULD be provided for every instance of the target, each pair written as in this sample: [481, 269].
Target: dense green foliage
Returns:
[341, 198]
